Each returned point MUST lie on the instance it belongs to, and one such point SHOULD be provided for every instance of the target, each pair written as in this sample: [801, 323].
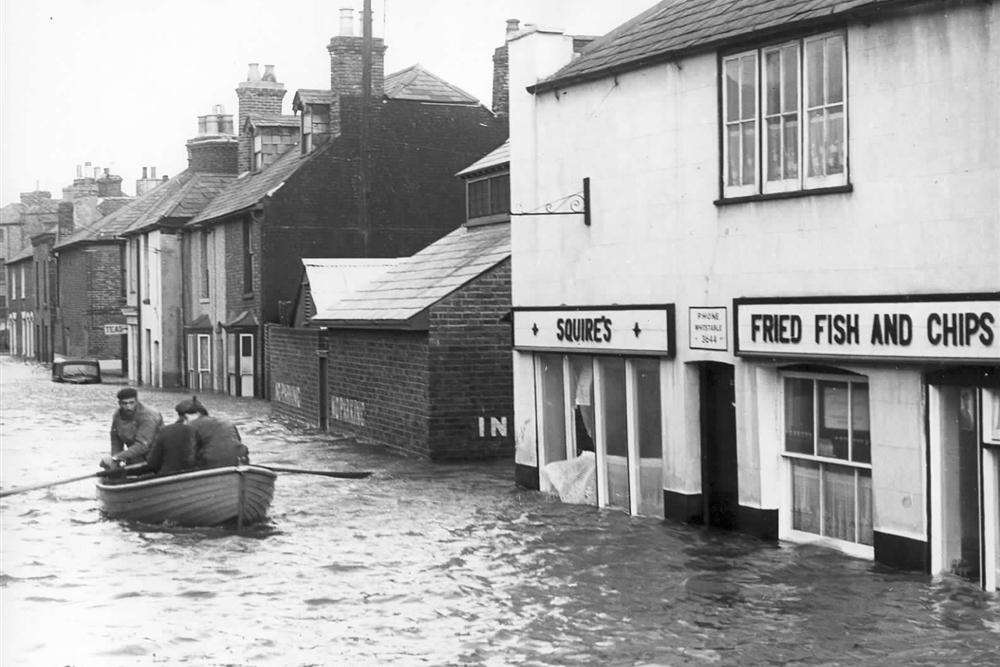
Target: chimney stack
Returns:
[501, 97]
[259, 96]
[109, 185]
[147, 182]
[346, 72]
[214, 150]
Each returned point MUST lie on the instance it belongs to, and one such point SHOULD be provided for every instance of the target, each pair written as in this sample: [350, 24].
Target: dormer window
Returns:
[258, 152]
[489, 198]
[307, 130]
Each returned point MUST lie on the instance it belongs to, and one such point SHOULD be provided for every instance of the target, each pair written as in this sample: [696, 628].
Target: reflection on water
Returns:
[422, 564]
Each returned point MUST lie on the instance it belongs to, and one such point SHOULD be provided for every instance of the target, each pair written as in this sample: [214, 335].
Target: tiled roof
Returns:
[495, 158]
[311, 96]
[110, 226]
[25, 253]
[183, 196]
[272, 120]
[331, 279]
[419, 281]
[673, 28]
[416, 83]
[253, 186]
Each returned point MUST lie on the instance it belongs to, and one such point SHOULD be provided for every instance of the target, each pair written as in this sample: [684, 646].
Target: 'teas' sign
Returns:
[963, 327]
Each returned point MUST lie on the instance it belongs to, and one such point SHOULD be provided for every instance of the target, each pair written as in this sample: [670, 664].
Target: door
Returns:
[719, 476]
[246, 365]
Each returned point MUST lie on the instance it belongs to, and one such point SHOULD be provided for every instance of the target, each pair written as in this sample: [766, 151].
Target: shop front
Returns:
[879, 424]
[596, 377]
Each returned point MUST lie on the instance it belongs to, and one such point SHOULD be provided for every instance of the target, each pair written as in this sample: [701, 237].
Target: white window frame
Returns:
[804, 182]
[258, 152]
[24, 293]
[785, 530]
[781, 184]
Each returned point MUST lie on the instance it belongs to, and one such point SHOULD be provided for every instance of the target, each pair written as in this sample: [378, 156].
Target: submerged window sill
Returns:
[791, 194]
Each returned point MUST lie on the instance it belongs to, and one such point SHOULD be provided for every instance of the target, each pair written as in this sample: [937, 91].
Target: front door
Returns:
[246, 365]
[719, 476]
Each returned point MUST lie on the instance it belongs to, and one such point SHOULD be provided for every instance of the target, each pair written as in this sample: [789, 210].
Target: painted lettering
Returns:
[838, 329]
[776, 328]
[892, 329]
[960, 329]
[584, 329]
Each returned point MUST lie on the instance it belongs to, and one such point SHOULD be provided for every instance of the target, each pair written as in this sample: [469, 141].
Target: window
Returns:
[307, 129]
[828, 453]
[258, 152]
[247, 256]
[204, 264]
[144, 259]
[784, 124]
[489, 196]
[23, 290]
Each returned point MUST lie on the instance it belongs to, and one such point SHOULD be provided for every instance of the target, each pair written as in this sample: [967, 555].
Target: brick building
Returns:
[365, 180]
[11, 242]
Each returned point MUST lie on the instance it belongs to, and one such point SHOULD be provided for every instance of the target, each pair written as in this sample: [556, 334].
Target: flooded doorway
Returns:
[719, 473]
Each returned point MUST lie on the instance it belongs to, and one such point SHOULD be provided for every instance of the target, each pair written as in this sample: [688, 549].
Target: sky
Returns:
[120, 83]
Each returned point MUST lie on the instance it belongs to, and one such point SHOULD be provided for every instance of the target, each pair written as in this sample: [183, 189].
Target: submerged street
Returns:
[419, 564]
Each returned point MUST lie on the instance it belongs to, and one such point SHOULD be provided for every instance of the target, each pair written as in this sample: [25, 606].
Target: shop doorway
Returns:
[719, 473]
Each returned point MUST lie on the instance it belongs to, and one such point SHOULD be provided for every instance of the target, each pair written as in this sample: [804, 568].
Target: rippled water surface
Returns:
[420, 564]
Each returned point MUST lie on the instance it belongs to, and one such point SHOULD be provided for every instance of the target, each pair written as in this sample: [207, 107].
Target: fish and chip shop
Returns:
[867, 424]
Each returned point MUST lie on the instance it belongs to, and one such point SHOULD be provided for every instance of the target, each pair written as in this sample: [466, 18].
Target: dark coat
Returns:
[173, 450]
[135, 433]
[217, 443]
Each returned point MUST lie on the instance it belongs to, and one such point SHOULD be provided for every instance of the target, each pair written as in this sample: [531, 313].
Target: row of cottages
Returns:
[38, 325]
[779, 308]
[413, 352]
[347, 176]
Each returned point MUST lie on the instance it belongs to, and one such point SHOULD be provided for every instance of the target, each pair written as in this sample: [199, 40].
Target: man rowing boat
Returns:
[133, 428]
[217, 442]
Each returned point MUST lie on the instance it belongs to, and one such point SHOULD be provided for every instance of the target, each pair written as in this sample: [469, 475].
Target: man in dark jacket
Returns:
[172, 451]
[133, 428]
[217, 442]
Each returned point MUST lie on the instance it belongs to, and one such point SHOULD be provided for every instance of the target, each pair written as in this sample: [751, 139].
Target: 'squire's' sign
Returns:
[962, 327]
[597, 329]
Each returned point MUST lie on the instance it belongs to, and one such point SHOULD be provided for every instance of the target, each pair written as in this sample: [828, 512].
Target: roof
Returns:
[416, 83]
[183, 196]
[311, 96]
[673, 28]
[498, 157]
[331, 279]
[417, 282]
[25, 253]
[251, 187]
[272, 120]
[110, 226]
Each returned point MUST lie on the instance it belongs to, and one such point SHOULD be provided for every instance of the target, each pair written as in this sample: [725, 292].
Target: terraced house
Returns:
[775, 306]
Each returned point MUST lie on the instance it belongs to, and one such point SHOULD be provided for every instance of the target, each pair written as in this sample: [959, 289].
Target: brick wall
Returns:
[381, 377]
[471, 381]
[293, 373]
[238, 299]
[216, 154]
[254, 97]
[89, 296]
[345, 72]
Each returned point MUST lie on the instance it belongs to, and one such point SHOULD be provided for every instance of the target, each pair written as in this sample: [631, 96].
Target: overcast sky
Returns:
[120, 83]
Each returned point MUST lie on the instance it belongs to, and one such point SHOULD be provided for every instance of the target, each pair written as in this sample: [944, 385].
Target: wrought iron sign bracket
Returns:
[577, 203]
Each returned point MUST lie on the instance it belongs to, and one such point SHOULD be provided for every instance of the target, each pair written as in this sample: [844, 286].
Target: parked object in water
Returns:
[212, 497]
[76, 371]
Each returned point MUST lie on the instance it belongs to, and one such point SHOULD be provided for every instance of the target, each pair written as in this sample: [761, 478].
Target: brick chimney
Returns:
[109, 185]
[35, 197]
[147, 182]
[215, 147]
[256, 95]
[346, 51]
[500, 89]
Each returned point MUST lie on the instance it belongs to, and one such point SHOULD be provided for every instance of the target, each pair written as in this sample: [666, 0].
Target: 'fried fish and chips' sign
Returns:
[921, 328]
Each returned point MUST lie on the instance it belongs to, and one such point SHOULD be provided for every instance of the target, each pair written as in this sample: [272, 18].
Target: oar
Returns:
[343, 474]
[45, 485]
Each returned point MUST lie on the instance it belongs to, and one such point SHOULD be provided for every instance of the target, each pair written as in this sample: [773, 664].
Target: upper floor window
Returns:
[24, 291]
[489, 196]
[204, 264]
[784, 124]
[258, 152]
[144, 258]
[307, 130]
[247, 257]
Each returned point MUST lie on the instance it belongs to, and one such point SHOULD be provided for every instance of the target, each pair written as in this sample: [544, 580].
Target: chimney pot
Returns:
[107, 172]
[86, 164]
[97, 172]
[144, 173]
[253, 74]
[268, 74]
[152, 172]
[218, 109]
[347, 22]
[165, 177]
[79, 171]
[512, 25]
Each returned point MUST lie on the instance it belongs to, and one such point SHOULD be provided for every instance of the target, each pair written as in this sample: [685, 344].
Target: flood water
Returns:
[420, 564]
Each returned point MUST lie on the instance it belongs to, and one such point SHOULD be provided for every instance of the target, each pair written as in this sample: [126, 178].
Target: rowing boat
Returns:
[211, 497]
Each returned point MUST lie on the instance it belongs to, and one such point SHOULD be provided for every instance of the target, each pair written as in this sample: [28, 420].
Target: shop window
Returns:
[784, 117]
[615, 430]
[828, 453]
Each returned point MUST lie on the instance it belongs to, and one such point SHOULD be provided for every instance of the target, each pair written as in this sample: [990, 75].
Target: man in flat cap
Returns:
[217, 441]
[133, 428]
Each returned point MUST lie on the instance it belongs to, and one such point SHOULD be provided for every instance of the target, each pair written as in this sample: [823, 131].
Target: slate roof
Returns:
[272, 120]
[416, 83]
[419, 281]
[253, 186]
[673, 28]
[498, 157]
[181, 197]
[25, 253]
[331, 279]
[311, 96]
[110, 226]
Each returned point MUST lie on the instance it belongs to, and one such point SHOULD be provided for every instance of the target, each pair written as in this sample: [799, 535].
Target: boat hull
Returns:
[240, 494]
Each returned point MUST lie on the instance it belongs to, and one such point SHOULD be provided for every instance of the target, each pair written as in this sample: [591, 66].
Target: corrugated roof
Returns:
[676, 27]
[416, 83]
[272, 120]
[332, 279]
[183, 196]
[419, 281]
[495, 158]
[251, 187]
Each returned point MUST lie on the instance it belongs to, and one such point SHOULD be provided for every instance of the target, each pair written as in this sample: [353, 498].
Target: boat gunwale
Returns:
[184, 476]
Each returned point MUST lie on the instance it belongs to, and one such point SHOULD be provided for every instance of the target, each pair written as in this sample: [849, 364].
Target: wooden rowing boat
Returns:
[239, 494]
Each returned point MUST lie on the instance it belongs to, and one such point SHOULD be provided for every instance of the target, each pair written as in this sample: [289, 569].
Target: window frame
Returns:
[803, 184]
[787, 458]
[258, 151]
[491, 214]
[204, 291]
[247, 234]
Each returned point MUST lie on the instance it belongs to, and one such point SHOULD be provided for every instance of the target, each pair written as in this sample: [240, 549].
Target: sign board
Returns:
[115, 329]
[952, 327]
[597, 329]
[289, 394]
[708, 328]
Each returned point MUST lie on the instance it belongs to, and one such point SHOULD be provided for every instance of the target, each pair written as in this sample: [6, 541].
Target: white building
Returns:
[784, 313]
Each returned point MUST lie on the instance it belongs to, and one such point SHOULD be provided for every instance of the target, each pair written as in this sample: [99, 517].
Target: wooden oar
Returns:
[325, 473]
[45, 485]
